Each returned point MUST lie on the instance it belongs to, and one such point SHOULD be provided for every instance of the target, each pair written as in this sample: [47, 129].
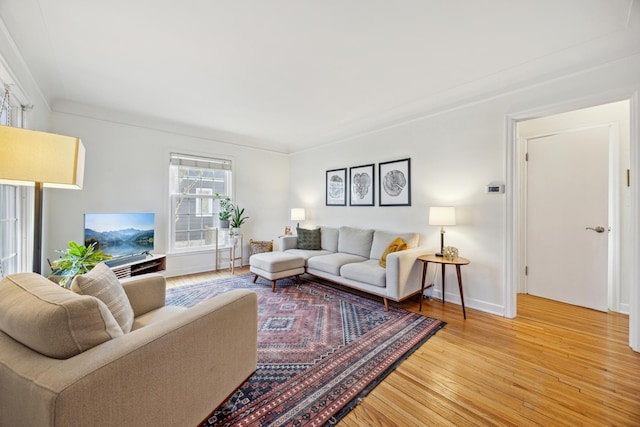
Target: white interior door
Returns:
[567, 192]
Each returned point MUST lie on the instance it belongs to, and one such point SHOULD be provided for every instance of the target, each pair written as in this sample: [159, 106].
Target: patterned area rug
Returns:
[320, 350]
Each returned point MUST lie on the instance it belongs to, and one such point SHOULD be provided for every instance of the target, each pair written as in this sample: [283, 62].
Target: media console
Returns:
[135, 266]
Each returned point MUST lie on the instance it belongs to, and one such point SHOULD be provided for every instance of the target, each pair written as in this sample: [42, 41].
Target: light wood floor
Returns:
[554, 364]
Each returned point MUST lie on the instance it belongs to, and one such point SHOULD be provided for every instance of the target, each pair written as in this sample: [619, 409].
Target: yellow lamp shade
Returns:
[28, 156]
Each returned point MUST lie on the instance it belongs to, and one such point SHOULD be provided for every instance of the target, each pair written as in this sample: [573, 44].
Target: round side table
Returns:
[426, 259]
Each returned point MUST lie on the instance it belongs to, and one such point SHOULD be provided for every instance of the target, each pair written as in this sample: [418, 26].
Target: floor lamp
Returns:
[42, 159]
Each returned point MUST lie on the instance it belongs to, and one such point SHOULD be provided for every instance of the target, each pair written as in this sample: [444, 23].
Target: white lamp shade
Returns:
[442, 215]
[28, 156]
[297, 214]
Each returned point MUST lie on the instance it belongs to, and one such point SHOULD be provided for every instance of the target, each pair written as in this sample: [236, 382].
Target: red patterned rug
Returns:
[320, 350]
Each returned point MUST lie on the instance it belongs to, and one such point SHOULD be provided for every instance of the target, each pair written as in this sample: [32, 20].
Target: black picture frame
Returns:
[394, 183]
[336, 187]
[362, 185]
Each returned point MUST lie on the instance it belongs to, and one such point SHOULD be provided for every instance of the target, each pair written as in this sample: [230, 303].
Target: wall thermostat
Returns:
[495, 188]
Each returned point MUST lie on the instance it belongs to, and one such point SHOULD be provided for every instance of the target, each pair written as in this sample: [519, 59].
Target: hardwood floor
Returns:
[554, 364]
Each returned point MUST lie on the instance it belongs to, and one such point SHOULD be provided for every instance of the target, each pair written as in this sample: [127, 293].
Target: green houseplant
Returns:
[76, 259]
[226, 209]
[237, 217]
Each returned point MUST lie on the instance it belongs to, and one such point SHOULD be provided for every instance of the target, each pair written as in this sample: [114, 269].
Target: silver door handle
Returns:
[598, 229]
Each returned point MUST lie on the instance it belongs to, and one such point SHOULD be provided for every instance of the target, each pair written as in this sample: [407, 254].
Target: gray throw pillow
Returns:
[309, 239]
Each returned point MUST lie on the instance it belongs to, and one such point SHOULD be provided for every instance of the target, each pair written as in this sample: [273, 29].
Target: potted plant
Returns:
[76, 259]
[237, 219]
[226, 209]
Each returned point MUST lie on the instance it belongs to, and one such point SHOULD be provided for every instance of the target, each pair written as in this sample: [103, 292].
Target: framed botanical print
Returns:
[361, 185]
[395, 183]
[336, 186]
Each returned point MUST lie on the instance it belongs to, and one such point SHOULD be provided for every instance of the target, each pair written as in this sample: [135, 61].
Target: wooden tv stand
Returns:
[151, 264]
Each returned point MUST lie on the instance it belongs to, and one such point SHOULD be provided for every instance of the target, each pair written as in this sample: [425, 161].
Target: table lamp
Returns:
[297, 214]
[442, 215]
[42, 159]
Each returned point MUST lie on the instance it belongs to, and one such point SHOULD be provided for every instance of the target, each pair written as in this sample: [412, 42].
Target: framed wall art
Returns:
[361, 185]
[336, 187]
[395, 183]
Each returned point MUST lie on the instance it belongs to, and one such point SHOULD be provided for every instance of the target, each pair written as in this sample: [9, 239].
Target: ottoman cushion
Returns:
[275, 262]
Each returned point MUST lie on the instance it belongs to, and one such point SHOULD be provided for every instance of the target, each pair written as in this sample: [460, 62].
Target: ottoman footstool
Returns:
[276, 265]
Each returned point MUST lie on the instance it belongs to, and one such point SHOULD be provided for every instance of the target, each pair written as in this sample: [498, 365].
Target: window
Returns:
[8, 230]
[16, 207]
[194, 186]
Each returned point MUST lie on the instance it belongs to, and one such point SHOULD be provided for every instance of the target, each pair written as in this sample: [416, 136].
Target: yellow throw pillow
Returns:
[395, 246]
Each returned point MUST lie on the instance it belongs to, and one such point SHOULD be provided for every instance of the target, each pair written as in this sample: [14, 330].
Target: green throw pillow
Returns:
[309, 239]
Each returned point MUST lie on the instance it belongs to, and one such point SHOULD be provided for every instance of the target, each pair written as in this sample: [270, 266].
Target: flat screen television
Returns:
[120, 234]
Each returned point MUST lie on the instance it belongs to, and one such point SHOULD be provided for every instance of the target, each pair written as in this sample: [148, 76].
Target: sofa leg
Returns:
[255, 277]
[386, 304]
[273, 286]
[298, 281]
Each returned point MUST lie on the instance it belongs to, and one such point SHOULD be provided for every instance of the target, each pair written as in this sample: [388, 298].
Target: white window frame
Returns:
[16, 215]
[194, 206]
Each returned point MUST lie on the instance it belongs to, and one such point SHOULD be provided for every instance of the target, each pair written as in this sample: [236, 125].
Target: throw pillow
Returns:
[395, 246]
[309, 239]
[102, 283]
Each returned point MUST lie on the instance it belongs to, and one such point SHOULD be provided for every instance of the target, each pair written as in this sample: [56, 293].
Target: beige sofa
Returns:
[65, 361]
[350, 256]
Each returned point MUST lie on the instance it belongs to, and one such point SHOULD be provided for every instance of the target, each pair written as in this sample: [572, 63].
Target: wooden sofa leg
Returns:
[298, 279]
[255, 277]
[273, 286]
[386, 304]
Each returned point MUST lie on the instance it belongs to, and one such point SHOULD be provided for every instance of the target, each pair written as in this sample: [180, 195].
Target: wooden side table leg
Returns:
[464, 313]
[424, 275]
[442, 266]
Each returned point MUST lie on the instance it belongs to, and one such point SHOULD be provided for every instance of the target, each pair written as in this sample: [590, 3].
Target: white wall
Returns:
[127, 170]
[454, 154]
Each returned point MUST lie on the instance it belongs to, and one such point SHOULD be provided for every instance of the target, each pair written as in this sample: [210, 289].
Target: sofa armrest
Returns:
[404, 274]
[171, 373]
[145, 292]
[288, 242]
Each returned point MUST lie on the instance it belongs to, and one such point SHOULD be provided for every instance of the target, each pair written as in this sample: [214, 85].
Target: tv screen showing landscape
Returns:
[120, 234]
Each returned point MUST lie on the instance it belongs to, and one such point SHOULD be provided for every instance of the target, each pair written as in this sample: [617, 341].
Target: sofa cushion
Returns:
[331, 263]
[309, 239]
[52, 320]
[397, 245]
[306, 254]
[101, 282]
[355, 241]
[382, 239]
[329, 238]
[368, 272]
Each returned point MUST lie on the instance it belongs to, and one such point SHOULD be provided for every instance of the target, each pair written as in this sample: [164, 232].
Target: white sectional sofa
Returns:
[350, 256]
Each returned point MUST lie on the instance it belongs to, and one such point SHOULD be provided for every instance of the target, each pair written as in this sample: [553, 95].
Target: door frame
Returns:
[514, 256]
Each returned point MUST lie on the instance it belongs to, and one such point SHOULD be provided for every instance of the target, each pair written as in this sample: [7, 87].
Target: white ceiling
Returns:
[287, 75]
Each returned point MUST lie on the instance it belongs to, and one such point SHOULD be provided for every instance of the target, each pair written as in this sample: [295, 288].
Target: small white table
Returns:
[233, 242]
[233, 252]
